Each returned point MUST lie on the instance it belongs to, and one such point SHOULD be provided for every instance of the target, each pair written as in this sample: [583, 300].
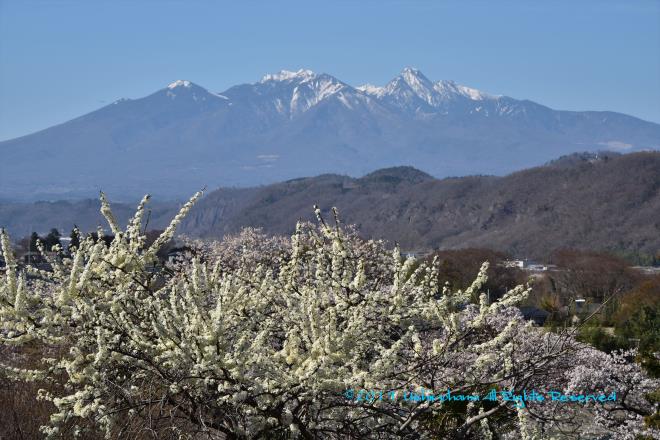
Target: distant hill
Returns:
[575, 159]
[589, 201]
[607, 203]
[184, 136]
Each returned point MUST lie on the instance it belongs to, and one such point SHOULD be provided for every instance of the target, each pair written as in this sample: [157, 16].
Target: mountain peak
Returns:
[414, 77]
[184, 89]
[412, 73]
[288, 75]
[396, 175]
[180, 83]
[409, 86]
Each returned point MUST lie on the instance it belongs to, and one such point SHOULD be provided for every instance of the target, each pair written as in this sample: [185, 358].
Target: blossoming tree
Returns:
[259, 337]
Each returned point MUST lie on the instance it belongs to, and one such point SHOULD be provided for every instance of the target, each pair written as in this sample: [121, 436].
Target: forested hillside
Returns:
[588, 201]
[585, 201]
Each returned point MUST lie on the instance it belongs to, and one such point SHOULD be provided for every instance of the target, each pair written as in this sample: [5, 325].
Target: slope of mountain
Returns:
[184, 137]
[591, 201]
[610, 203]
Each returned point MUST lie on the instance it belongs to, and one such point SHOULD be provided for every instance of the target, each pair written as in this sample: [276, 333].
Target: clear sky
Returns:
[62, 58]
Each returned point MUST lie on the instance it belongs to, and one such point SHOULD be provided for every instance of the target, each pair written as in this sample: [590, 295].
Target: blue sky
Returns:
[60, 59]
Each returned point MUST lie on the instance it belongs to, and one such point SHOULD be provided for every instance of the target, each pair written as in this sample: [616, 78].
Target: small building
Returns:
[415, 254]
[514, 263]
[179, 254]
[647, 270]
[537, 267]
[409, 254]
[65, 242]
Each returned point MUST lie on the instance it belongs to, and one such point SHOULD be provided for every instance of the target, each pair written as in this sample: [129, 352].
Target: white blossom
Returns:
[256, 337]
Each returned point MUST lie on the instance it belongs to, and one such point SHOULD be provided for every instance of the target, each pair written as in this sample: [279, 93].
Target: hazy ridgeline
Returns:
[593, 202]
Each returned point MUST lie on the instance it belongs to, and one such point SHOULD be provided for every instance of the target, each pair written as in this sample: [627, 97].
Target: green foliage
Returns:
[52, 239]
[643, 324]
[596, 336]
[636, 323]
[643, 329]
[75, 239]
[653, 421]
[33, 242]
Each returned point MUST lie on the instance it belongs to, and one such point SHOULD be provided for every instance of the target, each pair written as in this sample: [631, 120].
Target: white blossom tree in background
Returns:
[261, 337]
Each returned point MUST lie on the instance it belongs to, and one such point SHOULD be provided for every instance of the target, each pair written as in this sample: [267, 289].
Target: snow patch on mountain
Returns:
[311, 93]
[180, 83]
[370, 89]
[304, 90]
[448, 89]
[474, 94]
[287, 75]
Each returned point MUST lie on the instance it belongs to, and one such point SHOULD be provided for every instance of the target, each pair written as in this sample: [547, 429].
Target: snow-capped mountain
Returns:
[412, 91]
[290, 93]
[296, 123]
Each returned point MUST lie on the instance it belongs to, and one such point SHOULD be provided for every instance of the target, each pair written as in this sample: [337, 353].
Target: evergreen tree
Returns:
[75, 238]
[52, 239]
[33, 242]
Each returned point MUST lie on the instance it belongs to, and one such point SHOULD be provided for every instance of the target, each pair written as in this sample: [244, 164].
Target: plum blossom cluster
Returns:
[258, 337]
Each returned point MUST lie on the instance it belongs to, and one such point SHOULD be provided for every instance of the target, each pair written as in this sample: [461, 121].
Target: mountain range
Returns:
[184, 137]
[596, 201]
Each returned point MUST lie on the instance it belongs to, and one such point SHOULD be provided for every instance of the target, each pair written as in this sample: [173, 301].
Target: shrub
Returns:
[259, 338]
